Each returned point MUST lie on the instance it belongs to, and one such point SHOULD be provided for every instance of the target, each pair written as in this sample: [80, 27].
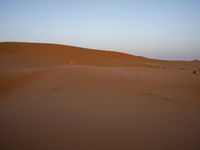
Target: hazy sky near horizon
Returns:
[164, 29]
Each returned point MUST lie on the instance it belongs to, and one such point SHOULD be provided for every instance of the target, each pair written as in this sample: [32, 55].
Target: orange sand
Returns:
[61, 97]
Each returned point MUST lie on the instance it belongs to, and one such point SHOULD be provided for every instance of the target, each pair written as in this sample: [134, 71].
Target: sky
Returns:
[162, 29]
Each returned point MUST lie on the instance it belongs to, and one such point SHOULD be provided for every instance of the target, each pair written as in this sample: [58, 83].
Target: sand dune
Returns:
[14, 79]
[42, 55]
[49, 54]
[63, 97]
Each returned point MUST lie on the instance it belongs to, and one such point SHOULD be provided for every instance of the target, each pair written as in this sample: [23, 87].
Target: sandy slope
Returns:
[97, 103]
[42, 55]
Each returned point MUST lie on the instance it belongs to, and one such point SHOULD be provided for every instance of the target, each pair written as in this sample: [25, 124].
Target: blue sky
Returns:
[164, 29]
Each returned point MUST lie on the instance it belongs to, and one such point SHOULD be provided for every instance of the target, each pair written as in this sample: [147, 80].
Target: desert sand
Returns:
[56, 97]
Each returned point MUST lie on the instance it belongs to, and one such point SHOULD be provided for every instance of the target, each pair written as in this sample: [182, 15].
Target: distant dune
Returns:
[56, 97]
[51, 54]
[40, 55]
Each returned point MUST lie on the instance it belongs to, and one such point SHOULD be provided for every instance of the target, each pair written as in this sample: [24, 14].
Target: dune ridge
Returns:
[52, 54]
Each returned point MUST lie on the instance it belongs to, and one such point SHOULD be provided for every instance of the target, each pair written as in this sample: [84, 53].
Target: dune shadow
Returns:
[10, 82]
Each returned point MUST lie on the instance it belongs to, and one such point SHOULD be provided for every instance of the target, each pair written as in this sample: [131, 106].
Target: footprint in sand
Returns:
[56, 89]
[63, 85]
[138, 77]
[151, 93]
[168, 98]
[147, 93]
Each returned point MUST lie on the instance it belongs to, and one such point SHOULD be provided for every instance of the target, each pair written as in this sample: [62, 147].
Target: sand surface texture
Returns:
[55, 97]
